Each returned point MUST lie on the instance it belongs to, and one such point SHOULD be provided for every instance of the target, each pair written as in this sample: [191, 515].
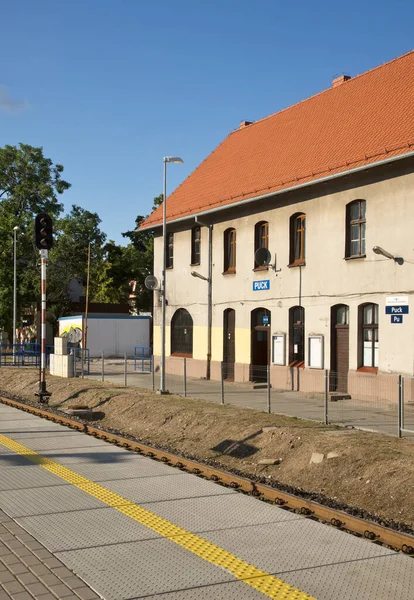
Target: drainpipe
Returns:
[209, 293]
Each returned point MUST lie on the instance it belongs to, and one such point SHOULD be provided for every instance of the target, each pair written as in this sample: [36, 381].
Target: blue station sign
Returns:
[396, 310]
[396, 318]
[262, 284]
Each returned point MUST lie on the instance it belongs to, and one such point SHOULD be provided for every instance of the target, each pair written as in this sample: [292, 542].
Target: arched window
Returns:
[297, 239]
[230, 251]
[182, 333]
[261, 240]
[368, 335]
[355, 229]
[296, 335]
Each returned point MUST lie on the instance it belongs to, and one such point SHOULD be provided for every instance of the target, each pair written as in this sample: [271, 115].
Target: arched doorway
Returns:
[260, 344]
[296, 336]
[339, 347]
[182, 333]
[229, 347]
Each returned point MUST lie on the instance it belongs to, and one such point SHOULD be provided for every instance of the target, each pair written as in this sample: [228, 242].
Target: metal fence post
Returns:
[82, 358]
[400, 405]
[153, 373]
[325, 402]
[125, 370]
[185, 377]
[222, 383]
[268, 388]
[103, 368]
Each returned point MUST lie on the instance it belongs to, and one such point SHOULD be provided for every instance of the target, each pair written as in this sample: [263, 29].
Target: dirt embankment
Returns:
[370, 471]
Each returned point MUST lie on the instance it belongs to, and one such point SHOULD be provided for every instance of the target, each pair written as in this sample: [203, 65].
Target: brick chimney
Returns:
[340, 80]
[245, 124]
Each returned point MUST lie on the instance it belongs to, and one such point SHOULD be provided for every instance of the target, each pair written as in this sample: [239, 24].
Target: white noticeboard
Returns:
[315, 351]
[278, 348]
[396, 300]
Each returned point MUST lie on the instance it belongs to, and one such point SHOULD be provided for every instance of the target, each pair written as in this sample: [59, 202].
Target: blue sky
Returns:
[110, 87]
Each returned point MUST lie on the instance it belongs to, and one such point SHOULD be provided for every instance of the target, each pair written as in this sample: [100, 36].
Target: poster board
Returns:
[278, 349]
[315, 351]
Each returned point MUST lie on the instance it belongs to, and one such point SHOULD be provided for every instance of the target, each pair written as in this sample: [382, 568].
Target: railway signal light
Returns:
[43, 232]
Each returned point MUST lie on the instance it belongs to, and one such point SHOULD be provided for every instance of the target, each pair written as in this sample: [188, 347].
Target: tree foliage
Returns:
[29, 184]
[141, 253]
[68, 258]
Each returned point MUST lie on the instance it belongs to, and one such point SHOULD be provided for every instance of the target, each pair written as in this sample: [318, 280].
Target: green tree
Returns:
[68, 258]
[141, 256]
[29, 184]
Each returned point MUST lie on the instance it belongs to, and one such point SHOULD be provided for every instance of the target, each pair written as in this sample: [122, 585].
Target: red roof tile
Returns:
[362, 121]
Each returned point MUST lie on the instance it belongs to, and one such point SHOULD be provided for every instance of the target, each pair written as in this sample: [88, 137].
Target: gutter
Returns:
[279, 192]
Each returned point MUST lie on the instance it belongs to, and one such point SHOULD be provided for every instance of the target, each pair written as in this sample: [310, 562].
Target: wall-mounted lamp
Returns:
[378, 250]
[195, 274]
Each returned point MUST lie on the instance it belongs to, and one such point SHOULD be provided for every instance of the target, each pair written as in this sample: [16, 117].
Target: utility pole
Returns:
[85, 337]
[15, 229]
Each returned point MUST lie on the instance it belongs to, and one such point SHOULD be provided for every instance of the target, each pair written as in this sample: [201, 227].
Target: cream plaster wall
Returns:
[326, 280]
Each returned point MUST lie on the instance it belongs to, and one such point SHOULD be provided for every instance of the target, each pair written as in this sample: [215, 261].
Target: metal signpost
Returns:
[43, 241]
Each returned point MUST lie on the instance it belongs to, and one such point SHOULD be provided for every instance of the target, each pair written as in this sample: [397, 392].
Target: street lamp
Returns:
[15, 229]
[195, 274]
[379, 250]
[167, 159]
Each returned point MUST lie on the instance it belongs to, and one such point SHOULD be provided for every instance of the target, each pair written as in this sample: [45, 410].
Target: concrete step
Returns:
[335, 396]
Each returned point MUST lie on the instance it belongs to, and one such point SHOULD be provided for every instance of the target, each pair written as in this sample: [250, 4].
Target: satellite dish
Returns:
[262, 257]
[151, 282]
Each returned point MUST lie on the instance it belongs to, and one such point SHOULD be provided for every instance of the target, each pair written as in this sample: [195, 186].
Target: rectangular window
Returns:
[261, 240]
[298, 239]
[195, 245]
[170, 250]
[369, 334]
[230, 251]
[355, 229]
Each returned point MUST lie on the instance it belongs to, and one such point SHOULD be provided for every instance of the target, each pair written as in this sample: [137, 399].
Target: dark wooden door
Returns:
[342, 357]
[229, 350]
[260, 353]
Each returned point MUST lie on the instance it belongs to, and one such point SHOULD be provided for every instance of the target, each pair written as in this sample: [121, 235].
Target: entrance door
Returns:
[340, 348]
[229, 348]
[260, 345]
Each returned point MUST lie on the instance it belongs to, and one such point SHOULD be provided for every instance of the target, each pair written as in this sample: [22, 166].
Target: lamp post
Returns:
[15, 229]
[167, 159]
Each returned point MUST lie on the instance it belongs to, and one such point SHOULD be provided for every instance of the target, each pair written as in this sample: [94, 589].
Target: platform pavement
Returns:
[30, 572]
[378, 416]
[136, 528]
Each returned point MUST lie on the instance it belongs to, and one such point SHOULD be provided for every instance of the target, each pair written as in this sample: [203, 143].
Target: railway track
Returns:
[397, 540]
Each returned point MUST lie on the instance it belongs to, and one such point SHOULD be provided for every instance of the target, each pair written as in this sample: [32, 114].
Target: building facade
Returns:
[312, 269]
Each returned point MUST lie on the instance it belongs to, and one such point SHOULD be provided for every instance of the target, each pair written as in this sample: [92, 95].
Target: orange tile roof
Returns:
[364, 120]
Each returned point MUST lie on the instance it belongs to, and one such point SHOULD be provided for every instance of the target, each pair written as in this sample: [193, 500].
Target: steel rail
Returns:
[340, 519]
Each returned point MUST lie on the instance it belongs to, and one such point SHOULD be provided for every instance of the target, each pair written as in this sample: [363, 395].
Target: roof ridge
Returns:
[353, 78]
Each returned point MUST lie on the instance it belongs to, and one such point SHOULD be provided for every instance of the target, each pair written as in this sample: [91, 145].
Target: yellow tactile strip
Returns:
[267, 584]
